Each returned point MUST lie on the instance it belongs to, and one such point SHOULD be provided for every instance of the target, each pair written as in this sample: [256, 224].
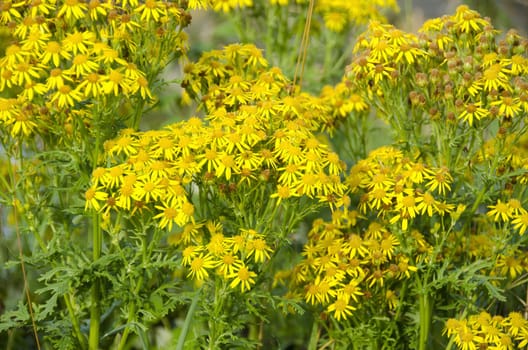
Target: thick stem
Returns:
[188, 321]
[95, 308]
[425, 320]
[314, 336]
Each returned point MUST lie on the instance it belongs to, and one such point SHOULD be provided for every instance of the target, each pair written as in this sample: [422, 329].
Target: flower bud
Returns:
[421, 79]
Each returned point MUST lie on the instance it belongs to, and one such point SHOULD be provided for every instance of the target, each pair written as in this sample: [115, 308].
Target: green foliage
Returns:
[298, 204]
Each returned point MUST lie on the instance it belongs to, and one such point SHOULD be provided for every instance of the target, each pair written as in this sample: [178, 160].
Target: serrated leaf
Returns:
[45, 310]
[15, 318]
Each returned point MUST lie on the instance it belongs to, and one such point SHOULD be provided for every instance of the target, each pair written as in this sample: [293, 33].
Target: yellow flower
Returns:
[229, 264]
[97, 10]
[310, 294]
[380, 72]
[243, 277]
[259, 249]
[379, 198]
[124, 197]
[289, 175]
[520, 222]
[65, 96]
[58, 78]
[466, 339]
[499, 211]
[468, 20]
[515, 322]
[228, 5]
[388, 244]
[91, 85]
[82, 65]
[440, 181]
[78, 42]
[518, 64]
[473, 110]
[351, 290]
[427, 204]
[151, 9]
[115, 82]
[54, 52]
[340, 307]
[376, 277]
[452, 326]
[226, 166]
[146, 189]
[167, 216]
[93, 196]
[141, 85]
[404, 269]
[508, 106]
[36, 40]
[9, 12]
[22, 124]
[509, 265]
[7, 78]
[335, 21]
[190, 253]
[72, 9]
[283, 192]
[357, 246]
[199, 265]
[495, 78]
[357, 103]
[24, 73]
[324, 289]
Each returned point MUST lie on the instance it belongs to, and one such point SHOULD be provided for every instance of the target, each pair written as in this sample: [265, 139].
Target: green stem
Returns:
[188, 321]
[130, 318]
[74, 320]
[215, 325]
[132, 306]
[253, 332]
[95, 308]
[425, 320]
[314, 336]
[403, 292]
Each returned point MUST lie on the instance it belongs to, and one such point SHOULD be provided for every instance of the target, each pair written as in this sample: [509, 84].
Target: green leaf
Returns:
[16, 318]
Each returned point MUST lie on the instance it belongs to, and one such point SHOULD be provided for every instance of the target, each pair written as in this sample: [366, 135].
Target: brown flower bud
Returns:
[421, 79]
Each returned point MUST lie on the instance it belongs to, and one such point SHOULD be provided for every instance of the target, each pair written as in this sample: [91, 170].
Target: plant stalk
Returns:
[425, 320]
[95, 308]
[314, 336]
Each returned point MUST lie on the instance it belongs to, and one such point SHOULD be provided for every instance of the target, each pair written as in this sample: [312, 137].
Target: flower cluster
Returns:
[381, 51]
[345, 267]
[344, 103]
[454, 51]
[484, 331]
[399, 189]
[510, 212]
[454, 74]
[360, 252]
[235, 258]
[238, 78]
[239, 148]
[63, 57]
